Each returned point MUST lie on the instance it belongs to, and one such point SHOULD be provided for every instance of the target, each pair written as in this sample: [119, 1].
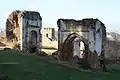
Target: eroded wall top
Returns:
[31, 15]
[77, 24]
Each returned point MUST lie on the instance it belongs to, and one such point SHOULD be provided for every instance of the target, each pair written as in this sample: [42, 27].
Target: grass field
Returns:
[19, 66]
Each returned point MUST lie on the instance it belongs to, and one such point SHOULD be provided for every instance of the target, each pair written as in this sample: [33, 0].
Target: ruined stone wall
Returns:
[31, 21]
[48, 37]
[112, 48]
[13, 28]
[49, 43]
[46, 42]
[18, 26]
[49, 32]
[91, 30]
[11, 25]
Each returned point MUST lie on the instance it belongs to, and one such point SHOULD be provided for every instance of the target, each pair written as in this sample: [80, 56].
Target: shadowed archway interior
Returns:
[33, 41]
[67, 48]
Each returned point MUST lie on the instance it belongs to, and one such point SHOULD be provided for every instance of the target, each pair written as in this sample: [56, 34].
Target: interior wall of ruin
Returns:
[78, 48]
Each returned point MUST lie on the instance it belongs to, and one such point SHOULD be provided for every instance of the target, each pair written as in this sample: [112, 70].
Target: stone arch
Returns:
[33, 40]
[67, 48]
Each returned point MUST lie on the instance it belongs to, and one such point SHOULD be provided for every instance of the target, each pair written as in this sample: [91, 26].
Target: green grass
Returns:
[33, 68]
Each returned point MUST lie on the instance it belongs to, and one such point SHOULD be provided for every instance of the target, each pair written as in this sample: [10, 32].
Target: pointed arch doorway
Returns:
[69, 47]
[33, 41]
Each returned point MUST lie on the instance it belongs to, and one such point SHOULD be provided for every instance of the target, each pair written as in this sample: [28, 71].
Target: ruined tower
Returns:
[49, 32]
[49, 43]
[24, 29]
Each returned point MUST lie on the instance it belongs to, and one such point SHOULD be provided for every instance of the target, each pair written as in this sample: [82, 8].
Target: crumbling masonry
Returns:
[24, 29]
[79, 37]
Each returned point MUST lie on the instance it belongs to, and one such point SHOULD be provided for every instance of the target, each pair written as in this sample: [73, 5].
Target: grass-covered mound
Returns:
[20, 66]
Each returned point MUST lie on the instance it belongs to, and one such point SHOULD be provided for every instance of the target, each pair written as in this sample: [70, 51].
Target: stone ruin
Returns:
[48, 37]
[112, 49]
[84, 38]
[75, 37]
[23, 30]
[80, 37]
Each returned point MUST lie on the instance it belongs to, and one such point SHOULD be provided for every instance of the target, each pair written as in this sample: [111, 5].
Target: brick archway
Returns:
[67, 49]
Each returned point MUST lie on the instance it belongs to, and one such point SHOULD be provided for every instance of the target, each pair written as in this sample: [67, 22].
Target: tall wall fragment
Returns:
[22, 27]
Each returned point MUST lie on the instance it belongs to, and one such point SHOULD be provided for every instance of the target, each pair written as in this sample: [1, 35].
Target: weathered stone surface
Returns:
[112, 49]
[49, 43]
[12, 26]
[23, 28]
[91, 32]
[48, 37]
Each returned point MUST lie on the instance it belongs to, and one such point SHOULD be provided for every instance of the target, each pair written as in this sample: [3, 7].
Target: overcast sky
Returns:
[107, 11]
